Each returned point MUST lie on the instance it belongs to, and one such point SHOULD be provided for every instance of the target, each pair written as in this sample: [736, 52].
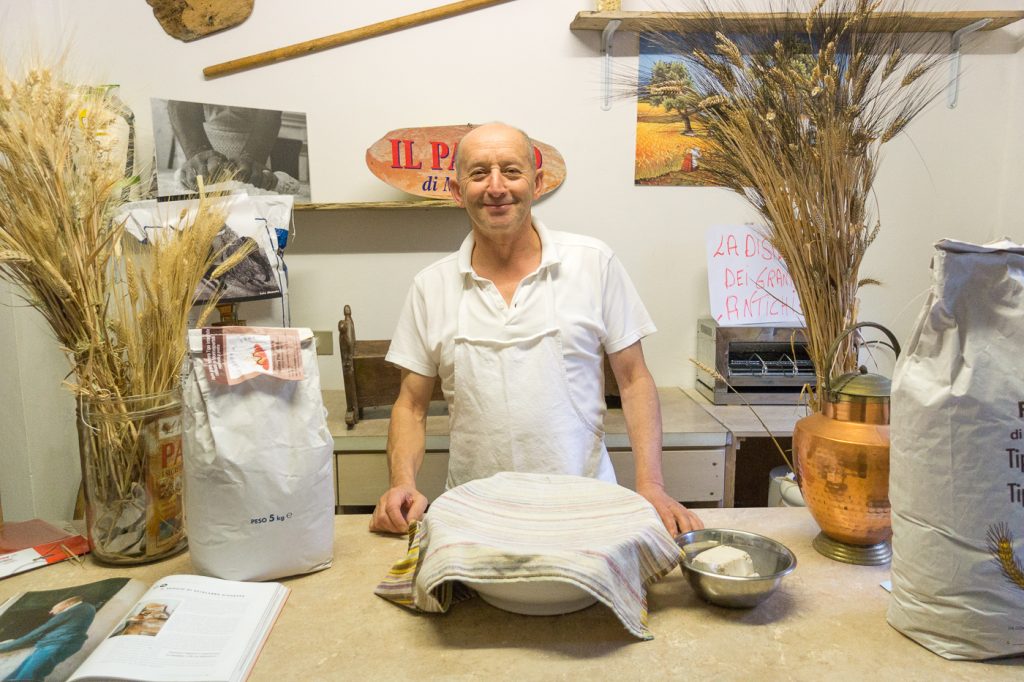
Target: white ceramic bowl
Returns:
[533, 597]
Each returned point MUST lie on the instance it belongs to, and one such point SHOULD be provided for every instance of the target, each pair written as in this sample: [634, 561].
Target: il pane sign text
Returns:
[747, 281]
[421, 161]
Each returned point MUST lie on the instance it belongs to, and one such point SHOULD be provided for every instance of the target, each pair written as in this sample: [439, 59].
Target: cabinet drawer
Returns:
[362, 477]
[690, 475]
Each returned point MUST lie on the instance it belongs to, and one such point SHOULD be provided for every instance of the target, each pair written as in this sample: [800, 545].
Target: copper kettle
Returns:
[842, 461]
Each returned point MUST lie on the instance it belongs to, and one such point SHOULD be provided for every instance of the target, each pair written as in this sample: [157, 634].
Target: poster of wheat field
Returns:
[670, 141]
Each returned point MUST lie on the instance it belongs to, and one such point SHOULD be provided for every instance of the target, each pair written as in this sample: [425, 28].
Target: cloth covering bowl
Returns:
[536, 544]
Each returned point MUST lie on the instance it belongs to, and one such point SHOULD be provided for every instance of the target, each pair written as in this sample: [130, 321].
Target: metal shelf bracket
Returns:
[606, 49]
[953, 90]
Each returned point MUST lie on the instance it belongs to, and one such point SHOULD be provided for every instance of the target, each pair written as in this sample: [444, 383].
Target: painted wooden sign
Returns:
[421, 161]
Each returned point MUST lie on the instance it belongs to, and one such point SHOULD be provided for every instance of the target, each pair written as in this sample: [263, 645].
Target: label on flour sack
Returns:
[232, 355]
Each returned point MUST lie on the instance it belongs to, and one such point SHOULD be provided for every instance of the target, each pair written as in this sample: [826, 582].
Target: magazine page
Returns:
[189, 627]
[46, 635]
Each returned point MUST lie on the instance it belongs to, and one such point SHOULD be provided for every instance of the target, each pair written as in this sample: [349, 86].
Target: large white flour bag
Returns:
[259, 483]
[956, 478]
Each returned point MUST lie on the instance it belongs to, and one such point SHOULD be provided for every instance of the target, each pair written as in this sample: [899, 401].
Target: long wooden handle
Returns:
[345, 37]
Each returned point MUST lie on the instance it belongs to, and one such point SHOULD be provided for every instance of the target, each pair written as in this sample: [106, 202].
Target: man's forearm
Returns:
[407, 437]
[642, 412]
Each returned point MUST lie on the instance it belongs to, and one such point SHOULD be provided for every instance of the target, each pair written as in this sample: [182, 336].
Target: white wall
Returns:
[956, 173]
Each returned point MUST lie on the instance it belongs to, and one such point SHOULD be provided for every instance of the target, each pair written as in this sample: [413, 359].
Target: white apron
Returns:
[512, 409]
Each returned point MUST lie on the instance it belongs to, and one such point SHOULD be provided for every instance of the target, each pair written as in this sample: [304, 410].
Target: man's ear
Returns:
[538, 183]
[456, 191]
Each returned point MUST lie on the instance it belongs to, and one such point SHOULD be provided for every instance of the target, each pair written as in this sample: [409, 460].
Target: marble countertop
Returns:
[742, 421]
[684, 423]
[827, 621]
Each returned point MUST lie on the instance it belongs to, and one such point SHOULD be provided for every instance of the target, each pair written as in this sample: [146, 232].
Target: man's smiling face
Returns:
[497, 179]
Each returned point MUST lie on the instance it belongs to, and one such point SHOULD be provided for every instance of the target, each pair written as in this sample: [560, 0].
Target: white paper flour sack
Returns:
[956, 478]
[259, 485]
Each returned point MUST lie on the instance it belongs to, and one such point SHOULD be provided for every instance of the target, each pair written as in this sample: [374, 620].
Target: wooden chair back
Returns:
[370, 381]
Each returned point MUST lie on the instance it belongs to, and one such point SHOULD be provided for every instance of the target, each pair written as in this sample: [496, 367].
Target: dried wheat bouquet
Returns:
[119, 311]
[796, 116]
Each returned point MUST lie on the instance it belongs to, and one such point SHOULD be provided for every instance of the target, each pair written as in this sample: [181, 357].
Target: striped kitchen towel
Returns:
[604, 539]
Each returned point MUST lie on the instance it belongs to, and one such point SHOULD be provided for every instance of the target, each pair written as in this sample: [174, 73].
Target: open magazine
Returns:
[184, 627]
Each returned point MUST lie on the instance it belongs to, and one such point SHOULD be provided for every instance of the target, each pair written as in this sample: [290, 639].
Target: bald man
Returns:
[516, 324]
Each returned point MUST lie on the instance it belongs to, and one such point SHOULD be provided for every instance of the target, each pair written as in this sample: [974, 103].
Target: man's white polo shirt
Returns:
[595, 303]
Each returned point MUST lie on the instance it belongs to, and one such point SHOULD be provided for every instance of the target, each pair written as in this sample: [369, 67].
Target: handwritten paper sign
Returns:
[747, 281]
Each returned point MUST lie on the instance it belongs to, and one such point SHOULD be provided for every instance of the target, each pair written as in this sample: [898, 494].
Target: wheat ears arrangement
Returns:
[796, 120]
[118, 310]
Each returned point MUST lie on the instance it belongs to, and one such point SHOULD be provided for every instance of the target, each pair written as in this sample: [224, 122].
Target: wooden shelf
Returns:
[958, 24]
[754, 22]
[377, 205]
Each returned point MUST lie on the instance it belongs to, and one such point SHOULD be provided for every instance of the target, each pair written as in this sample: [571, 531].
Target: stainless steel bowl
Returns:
[772, 561]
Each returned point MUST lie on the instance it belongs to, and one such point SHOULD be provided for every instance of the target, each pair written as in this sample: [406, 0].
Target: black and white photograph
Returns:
[265, 150]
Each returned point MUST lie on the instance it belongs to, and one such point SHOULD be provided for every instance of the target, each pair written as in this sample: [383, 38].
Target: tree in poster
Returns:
[671, 87]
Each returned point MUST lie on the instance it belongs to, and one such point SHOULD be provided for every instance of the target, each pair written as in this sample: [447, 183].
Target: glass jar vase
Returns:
[132, 473]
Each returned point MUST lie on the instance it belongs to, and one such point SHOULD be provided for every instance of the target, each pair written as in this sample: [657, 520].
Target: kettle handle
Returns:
[849, 330]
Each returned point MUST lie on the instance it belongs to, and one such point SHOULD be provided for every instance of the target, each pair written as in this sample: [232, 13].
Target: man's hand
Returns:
[208, 163]
[396, 508]
[677, 518]
[407, 435]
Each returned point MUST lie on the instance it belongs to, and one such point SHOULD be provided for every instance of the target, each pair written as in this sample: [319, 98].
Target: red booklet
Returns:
[25, 545]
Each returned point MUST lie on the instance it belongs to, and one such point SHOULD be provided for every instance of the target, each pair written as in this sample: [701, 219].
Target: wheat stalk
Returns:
[720, 377]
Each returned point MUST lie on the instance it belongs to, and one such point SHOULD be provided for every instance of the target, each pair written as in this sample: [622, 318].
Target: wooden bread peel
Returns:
[345, 37]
